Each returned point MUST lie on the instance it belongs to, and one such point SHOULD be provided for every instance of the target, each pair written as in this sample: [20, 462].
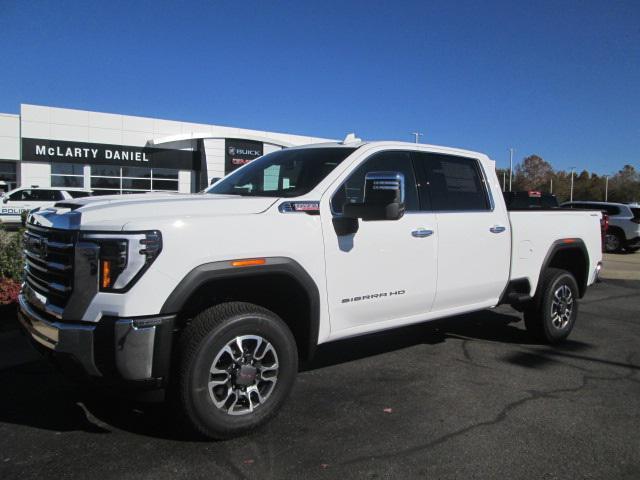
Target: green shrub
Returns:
[11, 259]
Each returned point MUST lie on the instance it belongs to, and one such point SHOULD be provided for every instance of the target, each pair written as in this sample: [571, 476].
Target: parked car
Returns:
[217, 296]
[24, 199]
[624, 224]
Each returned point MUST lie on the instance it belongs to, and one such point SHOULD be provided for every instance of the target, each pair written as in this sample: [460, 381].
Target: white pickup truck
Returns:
[214, 297]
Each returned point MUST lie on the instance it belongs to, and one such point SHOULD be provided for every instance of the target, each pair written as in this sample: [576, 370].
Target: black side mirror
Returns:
[5, 199]
[383, 198]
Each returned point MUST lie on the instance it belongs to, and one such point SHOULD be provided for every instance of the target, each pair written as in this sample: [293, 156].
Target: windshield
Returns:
[285, 173]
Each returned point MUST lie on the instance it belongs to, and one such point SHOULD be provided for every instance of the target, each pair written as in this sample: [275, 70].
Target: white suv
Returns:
[624, 224]
[24, 199]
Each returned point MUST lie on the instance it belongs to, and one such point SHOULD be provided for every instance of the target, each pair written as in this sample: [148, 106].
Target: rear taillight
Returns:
[604, 226]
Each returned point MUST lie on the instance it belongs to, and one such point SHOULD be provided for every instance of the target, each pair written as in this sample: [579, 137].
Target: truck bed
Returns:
[534, 233]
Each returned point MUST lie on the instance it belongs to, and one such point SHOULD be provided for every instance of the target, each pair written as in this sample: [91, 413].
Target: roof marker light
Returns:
[351, 138]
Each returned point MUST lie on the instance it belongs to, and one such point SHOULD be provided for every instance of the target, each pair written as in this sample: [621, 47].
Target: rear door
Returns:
[44, 198]
[474, 237]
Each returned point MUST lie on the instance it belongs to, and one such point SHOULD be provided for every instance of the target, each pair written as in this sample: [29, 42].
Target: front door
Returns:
[386, 272]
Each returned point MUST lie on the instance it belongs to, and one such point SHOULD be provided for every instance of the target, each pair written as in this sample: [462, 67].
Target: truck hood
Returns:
[114, 212]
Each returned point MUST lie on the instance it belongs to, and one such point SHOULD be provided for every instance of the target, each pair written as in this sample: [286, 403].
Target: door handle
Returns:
[422, 232]
[497, 229]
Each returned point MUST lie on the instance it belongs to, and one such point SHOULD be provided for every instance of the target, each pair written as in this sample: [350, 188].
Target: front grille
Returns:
[49, 262]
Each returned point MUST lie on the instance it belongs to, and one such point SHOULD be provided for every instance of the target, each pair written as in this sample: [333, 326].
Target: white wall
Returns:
[33, 173]
[214, 153]
[9, 137]
[184, 181]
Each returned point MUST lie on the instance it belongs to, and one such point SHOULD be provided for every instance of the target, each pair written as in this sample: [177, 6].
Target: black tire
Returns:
[614, 242]
[540, 320]
[202, 341]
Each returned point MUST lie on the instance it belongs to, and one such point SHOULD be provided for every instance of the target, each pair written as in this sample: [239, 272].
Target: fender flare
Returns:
[207, 272]
[562, 245]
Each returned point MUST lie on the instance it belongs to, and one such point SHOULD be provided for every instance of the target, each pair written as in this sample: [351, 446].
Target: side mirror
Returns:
[383, 198]
[5, 199]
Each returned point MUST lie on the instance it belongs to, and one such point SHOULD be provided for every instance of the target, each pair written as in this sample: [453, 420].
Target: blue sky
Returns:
[557, 78]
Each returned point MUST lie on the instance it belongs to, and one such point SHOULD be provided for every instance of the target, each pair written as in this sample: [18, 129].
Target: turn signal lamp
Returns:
[248, 262]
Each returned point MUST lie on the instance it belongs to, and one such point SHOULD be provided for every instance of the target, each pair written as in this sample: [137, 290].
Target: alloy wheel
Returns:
[243, 374]
[561, 307]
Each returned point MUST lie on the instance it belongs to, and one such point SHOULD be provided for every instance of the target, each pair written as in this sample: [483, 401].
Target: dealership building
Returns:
[111, 153]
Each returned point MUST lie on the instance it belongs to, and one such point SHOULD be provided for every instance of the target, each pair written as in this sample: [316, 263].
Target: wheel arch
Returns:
[569, 254]
[281, 285]
[617, 229]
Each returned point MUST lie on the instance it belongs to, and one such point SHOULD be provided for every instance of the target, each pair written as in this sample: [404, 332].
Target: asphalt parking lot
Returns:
[469, 397]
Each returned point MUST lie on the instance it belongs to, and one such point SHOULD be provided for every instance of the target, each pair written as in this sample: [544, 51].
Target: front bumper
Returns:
[135, 351]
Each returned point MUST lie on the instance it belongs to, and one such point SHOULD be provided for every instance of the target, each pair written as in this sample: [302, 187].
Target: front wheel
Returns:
[237, 363]
[555, 308]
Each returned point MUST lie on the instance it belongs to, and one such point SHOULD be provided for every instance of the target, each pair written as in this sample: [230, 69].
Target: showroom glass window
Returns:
[7, 176]
[453, 184]
[352, 190]
[67, 175]
[112, 179]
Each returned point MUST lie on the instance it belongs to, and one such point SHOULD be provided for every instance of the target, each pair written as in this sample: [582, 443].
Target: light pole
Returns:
[551, 186]
[504, 181]
[417, 135]
[510, 166]
[571, 194]
[606, 187]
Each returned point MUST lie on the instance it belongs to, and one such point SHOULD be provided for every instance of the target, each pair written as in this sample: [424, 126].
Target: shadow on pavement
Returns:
[635, 284]
[35, 395]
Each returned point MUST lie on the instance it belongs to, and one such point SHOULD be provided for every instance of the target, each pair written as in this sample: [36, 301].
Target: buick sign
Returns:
[240, 152]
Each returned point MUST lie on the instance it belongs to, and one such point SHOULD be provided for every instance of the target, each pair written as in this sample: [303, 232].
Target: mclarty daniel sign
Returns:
[42, 150]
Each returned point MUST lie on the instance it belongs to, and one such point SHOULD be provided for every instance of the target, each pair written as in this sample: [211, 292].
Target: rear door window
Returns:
[46, 195]
[612, 210]
[453, 183]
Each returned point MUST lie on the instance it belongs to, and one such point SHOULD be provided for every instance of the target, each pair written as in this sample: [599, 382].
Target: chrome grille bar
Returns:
[49, 260]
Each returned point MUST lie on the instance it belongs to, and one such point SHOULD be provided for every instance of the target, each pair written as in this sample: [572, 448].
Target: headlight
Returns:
[124, 257]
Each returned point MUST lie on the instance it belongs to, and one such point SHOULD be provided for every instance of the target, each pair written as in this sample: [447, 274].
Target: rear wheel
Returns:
[613, 242]
[555, 307]
[237, 363]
